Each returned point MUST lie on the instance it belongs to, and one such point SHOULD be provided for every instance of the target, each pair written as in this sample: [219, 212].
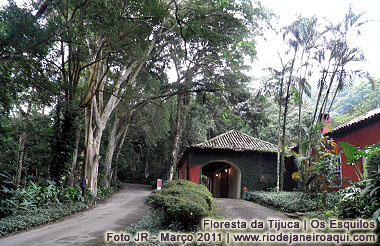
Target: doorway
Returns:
[224, 177]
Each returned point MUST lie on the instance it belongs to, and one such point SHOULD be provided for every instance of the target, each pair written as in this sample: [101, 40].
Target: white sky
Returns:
[333, 10]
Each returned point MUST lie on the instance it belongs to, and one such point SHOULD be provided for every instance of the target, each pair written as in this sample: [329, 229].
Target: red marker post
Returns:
[245, 190]
[159, 184]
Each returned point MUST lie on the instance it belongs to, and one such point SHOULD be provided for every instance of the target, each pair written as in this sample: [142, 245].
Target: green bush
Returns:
[104, 192]
[35, 205]
[152, 223]
[38, 216]
[360, 200]
[34, 195]
[293, 201]
[373, 163]
[182, 204]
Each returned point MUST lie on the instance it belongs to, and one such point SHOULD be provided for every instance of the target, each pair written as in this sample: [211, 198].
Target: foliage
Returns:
[151, 222]
[104, 192]
[354, 155]
[35, 205]
[373, 163]
[362, 199]
[356, 201]
[293, 201]
[36, 196]
[317, 167]
[356, 100]
[182, 203]
[38, 216]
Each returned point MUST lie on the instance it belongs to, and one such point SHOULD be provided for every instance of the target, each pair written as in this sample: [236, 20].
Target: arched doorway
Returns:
[224, 179]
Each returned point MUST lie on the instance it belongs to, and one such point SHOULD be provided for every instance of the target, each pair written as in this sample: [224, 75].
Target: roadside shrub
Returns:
[72, 194]
[38, 216]
[34, 195]
[373, 163]
[360, 200]
[151, 222]
[182, 204]
[68, 201]
[104, 192]
[291, 202]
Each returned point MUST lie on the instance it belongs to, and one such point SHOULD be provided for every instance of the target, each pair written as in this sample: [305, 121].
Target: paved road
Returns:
[88, 228]
[234, 209]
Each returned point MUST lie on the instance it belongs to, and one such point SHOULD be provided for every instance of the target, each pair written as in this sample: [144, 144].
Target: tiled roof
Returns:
[357, 121]
[237, 141]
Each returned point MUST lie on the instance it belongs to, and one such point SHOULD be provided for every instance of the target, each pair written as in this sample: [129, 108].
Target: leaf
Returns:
[366, 190]
[376, 215]
[372, 193]
[296, 95]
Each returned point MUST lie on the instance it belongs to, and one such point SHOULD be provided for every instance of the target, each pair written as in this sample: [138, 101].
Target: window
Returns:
[336, 180]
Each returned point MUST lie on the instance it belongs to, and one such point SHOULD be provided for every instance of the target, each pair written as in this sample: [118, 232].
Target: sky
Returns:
[334, 10]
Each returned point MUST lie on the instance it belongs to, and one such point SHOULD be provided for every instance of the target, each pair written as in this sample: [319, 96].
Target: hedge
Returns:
[291, 202]
[34, 216]
[38, 216]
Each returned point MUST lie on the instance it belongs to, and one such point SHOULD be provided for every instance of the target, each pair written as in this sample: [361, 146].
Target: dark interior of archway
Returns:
[209, 169]
[213, 166]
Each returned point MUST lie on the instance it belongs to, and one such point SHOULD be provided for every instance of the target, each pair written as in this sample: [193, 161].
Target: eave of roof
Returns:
[357, 122]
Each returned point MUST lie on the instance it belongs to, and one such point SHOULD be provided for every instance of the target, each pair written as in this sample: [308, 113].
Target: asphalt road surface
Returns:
[249, 211]
[88, 228]
[234, 209]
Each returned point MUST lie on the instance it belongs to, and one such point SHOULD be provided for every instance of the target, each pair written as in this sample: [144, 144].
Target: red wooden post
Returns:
[245, 190]
[159, 184]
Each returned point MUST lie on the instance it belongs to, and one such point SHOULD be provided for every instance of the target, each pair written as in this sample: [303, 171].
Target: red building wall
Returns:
[182, 171]
[360, 137]
[195, 173]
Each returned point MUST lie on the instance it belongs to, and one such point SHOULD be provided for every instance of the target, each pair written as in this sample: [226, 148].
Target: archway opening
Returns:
[223, 179]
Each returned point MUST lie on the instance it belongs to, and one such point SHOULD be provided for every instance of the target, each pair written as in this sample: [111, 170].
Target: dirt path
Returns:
[88, 228]
[233, 209]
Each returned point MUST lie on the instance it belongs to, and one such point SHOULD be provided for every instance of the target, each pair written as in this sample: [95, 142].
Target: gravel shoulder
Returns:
[88, 228]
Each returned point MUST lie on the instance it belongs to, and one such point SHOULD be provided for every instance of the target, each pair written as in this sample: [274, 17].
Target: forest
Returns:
[94, 92]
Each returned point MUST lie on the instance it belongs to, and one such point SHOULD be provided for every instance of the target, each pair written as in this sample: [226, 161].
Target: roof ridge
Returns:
[237, 141]
[211, 139]
[256, 138]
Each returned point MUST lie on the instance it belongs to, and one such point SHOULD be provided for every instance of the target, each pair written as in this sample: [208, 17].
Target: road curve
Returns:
[87, 228]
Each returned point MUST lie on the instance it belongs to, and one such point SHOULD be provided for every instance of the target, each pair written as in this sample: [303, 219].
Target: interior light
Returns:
[226, 170]
[216, 175]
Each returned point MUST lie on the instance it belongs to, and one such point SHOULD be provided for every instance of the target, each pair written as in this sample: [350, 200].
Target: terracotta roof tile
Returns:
[237, 141]
[354, 122]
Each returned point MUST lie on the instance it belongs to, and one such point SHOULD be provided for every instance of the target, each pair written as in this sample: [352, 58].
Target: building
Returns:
[229, 162]
[360, 132]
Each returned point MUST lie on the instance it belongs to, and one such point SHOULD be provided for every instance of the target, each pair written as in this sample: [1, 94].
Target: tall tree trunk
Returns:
[279, 148]
[117, 137]
[337, 89]
[74, 158]
[146, 169]
[112, 142]
[20, 158]
[300, 94]
[180, 119]
[282, 166]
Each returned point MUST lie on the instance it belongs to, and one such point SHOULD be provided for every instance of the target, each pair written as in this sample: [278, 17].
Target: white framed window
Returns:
[337, 178]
